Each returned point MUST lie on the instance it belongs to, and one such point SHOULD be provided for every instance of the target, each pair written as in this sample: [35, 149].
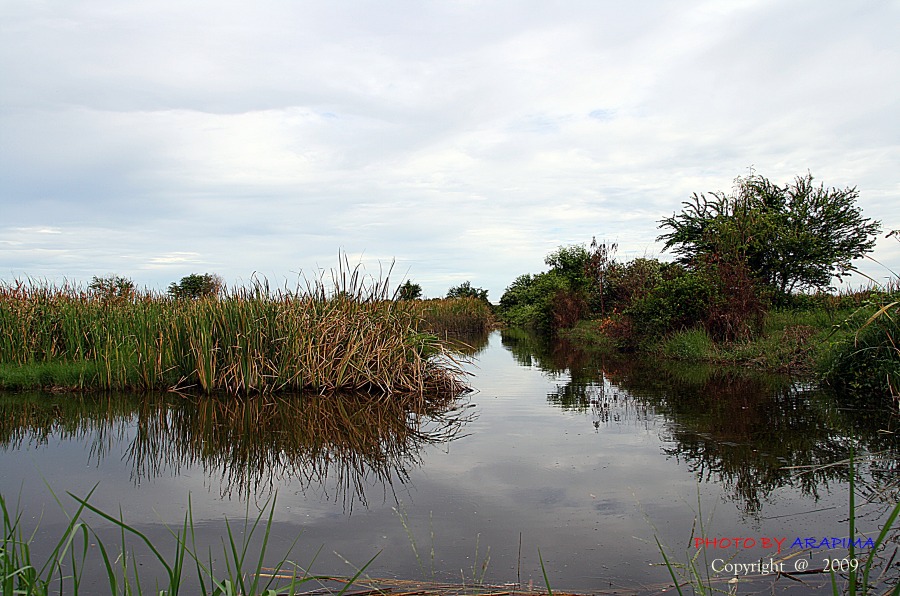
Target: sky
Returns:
[443, 141]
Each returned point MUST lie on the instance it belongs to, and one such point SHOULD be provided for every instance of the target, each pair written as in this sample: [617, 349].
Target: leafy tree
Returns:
[518, 293]
[112, 287]
[792, 237]
[197, 286]
[409, 291]
[571, 263]
[465, 290]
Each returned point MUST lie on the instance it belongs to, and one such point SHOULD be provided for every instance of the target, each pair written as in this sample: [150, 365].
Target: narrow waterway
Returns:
[580, 461]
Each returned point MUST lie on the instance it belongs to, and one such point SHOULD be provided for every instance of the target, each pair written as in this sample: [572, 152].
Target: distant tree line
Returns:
[190, 287]
[413, 291]
[198, 285]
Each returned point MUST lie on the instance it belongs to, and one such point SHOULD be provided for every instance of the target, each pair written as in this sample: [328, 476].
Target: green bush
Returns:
[672, 305]
[535, 301]
[409, 291]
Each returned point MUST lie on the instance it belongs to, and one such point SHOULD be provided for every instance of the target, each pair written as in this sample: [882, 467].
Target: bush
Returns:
[465, 290]
[540, 302]
[195, 286]
[629, 282]
[739, 307]
[672, 305]
[568, 307]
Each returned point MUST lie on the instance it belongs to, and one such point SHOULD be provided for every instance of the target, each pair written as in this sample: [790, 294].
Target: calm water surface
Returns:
[583, 459]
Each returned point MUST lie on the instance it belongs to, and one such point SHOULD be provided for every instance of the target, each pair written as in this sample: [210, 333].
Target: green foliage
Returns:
[570, 263]
[672, 305]
[112, 287]
[868, 361]
[195, 286]
[553, 300]
[465, 290]
[631, 281]
[793, 237]
[529, 301]
[409, 291]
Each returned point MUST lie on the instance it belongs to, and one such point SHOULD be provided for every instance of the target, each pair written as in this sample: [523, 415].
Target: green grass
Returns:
[690, 344]
[866, 359]
[188, 570]
[250, 340]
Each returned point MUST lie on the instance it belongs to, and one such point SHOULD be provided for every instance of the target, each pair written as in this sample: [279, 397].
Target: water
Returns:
[586, 461]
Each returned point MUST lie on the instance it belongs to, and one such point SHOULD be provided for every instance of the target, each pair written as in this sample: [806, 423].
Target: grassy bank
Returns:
[788, 340]
[247, 340]
[849, 340]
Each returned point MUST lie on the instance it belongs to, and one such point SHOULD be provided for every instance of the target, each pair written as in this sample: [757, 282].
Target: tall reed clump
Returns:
[455, 315]
[868, 361]
[246, 341]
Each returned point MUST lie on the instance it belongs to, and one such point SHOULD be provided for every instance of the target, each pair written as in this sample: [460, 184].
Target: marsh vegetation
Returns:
[241, 341]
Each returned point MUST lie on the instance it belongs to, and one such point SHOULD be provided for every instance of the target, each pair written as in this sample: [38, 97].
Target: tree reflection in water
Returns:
[753, 433]
[347, 442]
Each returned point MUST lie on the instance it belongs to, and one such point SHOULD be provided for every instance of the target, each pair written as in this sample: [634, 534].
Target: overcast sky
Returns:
[463, 140]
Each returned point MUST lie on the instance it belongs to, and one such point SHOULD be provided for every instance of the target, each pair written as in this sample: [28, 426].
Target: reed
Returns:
[866, 360]
[455, 315]
[249, 340]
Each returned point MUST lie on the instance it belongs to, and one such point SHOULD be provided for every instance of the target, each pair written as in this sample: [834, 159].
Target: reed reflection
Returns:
[341, 444]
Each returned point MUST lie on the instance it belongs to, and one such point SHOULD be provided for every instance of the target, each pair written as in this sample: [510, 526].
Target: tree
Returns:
[197, 286]
[570, 262]
[112, 287]
[409, 291]
[465, 290]
[792, 237]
